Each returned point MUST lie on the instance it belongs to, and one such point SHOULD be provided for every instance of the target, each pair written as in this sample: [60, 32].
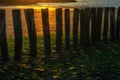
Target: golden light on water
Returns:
[44, 7]
[50, 7]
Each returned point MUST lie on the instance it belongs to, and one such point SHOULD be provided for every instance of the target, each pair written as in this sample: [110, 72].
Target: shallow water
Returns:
[78, 3]
[91, 3]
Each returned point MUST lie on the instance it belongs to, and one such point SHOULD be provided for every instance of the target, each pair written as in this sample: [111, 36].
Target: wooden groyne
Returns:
[90, 26]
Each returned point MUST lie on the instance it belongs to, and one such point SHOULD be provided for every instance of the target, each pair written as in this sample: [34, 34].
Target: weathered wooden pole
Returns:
[106, 24]
[58, 29]
[29, 14]
[112, 24]
[99, 24]
[18, 34]
[3, 38]
[94, 25]
[67, 29]
[46, 33]
[117, 35]
[85, 27]
[75, 27]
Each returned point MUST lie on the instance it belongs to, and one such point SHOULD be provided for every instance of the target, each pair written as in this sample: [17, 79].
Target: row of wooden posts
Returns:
[83, 16]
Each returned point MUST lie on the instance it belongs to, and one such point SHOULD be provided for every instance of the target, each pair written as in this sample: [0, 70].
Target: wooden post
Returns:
[106, 22]
[112, 23]
[117, 35]
[18, 34]
[58, 29]
[3, 39]
[84, 26]
[46, 33]
[67, 29]
[87, 26]
[29, 14]
[94, 25]
[99, 24]
[75, 27]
